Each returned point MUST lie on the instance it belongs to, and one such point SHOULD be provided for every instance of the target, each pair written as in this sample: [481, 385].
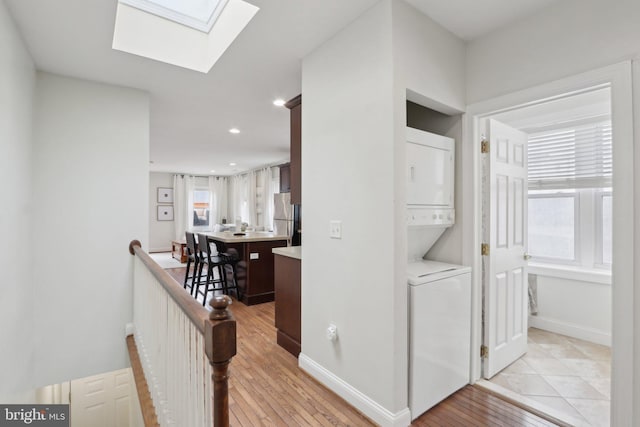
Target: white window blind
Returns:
[574, 157]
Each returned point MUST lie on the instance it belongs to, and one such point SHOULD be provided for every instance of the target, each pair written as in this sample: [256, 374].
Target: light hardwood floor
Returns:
[267, 388]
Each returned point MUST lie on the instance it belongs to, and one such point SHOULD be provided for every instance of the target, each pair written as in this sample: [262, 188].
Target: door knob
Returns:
[526, 256]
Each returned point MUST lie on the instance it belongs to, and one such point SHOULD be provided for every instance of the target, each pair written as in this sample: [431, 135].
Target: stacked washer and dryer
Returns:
[439, 293]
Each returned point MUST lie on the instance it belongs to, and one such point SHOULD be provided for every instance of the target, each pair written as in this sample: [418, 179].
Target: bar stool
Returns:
[213, 262]
[192, 257]
[229, 258]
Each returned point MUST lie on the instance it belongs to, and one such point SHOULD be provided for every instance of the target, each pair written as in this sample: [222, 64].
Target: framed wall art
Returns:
[165, 213]
[165, 195]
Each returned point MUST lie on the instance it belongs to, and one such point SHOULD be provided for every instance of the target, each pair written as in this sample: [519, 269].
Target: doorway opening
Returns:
[547, 209]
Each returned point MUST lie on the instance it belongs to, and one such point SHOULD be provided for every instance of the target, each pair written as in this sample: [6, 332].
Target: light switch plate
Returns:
[335, 229]
[254, 255]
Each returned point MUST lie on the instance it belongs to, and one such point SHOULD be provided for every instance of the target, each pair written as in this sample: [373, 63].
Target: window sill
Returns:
[602, 277]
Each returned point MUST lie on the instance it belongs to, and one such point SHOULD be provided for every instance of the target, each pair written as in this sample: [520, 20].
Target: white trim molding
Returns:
[600, 276]
[353, 396]
[570, 329]
[624, 337]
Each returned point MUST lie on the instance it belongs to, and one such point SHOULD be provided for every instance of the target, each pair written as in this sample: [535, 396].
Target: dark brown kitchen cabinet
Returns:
[295, 105]
[285, 178]
[287, 281]
[255, 270]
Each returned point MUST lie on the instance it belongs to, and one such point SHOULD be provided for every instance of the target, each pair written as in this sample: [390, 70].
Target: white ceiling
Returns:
[595, 103]
[191, 112]
[470, 19]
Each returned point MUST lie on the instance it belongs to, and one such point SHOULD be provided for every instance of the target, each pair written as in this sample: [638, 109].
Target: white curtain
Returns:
[252, 197]
[235, 202]
[231, 199]
[182, 204]
[219, 199]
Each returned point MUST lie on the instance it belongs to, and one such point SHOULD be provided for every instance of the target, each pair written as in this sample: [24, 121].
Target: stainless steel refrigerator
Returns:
[282, 215]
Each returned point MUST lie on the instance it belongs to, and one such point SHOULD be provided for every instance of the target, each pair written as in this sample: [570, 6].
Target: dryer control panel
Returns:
[431, 216]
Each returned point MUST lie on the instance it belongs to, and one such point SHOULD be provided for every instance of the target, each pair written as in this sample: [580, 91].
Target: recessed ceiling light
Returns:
[213, 171]
[234, 130]
[232, 164]
[279, 102]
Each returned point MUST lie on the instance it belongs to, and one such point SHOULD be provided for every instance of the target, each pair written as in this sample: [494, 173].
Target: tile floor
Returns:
[564, 373]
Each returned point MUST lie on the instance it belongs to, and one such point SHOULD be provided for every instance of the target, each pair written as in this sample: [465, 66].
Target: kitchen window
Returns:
[201, 212]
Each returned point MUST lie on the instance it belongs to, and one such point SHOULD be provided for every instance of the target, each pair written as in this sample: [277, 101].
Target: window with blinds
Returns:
[570, 210]
[575, 157]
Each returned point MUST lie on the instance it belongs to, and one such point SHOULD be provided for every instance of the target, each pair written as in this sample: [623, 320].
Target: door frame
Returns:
[619, 77]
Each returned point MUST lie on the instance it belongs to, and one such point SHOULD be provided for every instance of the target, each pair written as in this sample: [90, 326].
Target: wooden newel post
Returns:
[220, 347]
[132, 246]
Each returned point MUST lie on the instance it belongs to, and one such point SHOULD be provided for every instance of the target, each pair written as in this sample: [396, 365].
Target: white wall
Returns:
[429, 60]
[575, 308]
[161, 233]
[347, 151]
[17, 86]
[91, 185]
[353, 153]
[566, 39]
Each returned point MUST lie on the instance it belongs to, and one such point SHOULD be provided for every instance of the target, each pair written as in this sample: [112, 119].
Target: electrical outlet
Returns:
[332, 332]
[335, 229]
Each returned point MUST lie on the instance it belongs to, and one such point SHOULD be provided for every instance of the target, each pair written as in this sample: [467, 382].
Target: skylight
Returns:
[188, 33]
[197, 14]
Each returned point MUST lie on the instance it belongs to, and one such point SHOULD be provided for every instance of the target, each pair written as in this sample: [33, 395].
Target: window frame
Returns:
[599, 195]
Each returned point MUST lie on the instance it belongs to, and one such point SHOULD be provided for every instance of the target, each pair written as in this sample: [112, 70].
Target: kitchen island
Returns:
[254, 271]
[287, 276]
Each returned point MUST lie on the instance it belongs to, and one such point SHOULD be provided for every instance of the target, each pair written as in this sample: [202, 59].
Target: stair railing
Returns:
[184, 350]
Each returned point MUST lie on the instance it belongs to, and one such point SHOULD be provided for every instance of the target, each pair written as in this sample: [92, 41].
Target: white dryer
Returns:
[439, 332]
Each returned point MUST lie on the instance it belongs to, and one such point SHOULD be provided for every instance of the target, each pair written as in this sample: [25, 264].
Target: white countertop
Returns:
[289, 251]
[249, 236]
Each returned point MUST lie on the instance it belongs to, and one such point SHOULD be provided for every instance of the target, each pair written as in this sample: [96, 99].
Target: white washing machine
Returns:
[439, 332]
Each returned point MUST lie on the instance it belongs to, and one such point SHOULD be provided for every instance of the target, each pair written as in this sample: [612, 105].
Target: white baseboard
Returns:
[356, 398]
[156, 250]
[571, 330]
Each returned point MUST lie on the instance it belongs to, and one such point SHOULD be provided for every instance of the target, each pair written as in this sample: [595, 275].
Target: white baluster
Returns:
[172, 354]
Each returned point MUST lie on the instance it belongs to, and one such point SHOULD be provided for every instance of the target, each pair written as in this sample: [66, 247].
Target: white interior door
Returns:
[101, 400]
[505, 230]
